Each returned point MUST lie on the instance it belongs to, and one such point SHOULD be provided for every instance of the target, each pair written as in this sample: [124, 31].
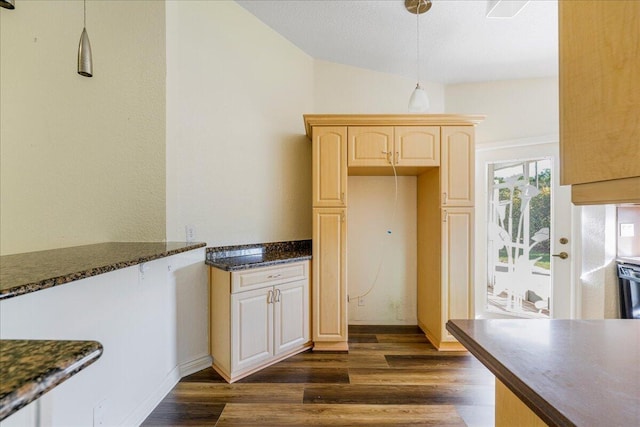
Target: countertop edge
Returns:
[546, 411]
[20, 398]
[227, 267]
[72, 276]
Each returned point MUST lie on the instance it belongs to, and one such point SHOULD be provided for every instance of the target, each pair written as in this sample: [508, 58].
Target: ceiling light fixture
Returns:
[85, 61]
[7, 4]
[419, 102]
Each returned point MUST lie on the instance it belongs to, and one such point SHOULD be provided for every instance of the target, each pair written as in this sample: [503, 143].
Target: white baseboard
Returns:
[144, 410]
[195, 365]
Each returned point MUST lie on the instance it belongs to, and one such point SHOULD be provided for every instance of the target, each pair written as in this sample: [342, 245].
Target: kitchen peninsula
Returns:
[559, 372]
[135, 311]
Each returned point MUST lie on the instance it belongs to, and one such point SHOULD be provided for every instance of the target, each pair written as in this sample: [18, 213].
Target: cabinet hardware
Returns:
[564, 240]
[278, 293]
[342, 197]
[562, 255]
[274, 276]
[445, 216]
[270, 297]
[444, 198]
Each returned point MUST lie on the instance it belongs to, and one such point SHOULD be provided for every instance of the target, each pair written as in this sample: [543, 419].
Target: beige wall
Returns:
[342, 88]
[382, 263]
[238, 163]
[82, 159]
[515, 109]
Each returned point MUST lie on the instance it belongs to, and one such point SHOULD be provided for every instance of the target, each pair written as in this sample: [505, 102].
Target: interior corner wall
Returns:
[598, 281]
[344, 89]
[514, 109]
[238, 160]
[82, 159]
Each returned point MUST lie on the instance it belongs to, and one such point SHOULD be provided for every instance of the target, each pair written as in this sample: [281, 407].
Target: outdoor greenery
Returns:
[539, 216]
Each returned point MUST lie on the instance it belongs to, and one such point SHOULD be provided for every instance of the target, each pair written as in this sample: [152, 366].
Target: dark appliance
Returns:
[629, 283]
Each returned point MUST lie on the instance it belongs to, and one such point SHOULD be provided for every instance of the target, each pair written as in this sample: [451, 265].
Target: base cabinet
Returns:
[254, 328]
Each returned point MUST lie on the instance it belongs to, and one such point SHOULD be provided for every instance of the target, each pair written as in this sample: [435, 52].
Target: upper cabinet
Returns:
[383, 146]
[329, 170]
[457, 166]
[600, 100]
[417, 145]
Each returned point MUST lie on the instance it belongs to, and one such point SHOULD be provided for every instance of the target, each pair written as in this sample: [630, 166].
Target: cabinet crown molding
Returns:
[311, 120]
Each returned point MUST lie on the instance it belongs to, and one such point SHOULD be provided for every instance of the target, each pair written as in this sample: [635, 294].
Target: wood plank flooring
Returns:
[391, 376]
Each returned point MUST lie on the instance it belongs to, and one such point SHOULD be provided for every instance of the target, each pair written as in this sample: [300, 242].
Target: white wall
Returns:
[598, 281]
[342, 88]
[153, 329]
[515, 109]
[238, 163]
[82, 159]
[382, 263]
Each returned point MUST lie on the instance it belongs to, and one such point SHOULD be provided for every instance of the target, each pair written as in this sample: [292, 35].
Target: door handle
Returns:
[562, 255]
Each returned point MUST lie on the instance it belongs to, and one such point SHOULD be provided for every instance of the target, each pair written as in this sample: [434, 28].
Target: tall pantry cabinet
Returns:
[439, 150]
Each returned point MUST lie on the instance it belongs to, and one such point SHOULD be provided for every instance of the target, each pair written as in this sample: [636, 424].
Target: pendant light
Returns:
[418, 102]
[85, 62]
[7, 4]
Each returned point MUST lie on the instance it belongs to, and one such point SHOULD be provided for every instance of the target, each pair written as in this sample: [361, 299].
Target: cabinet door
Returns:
[370, 146]
[417, 145]
[457, 266]
[457, 166]
[599, 91]
[329, 166]
[329, 284]
[251, 328]
[291, 327]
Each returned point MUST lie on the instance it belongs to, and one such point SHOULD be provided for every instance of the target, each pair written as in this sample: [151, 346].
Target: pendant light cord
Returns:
[84, 22]
[417, 40]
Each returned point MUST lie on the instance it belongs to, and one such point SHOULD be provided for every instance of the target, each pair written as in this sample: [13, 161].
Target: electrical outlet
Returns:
[627, 230]
[99, 413]
[190, 232]
[361, 301]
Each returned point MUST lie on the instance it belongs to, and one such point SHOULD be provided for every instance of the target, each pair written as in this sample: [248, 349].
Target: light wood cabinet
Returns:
[417, 145]
[329, 284]
[329, 169]
[439, 150]
[255, 323]
[457, 166]
[600, 100]
[457, 268]
[402, 146]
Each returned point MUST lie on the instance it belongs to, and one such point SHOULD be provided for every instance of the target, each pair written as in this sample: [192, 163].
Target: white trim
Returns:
[520, 142]
[195, 365]
[138, 415]
[141, 413]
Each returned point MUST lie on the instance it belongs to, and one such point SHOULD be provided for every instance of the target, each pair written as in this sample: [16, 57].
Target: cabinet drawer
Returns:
[268, 276]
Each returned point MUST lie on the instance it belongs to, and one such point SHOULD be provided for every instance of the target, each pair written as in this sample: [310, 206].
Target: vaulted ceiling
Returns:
[458, 43]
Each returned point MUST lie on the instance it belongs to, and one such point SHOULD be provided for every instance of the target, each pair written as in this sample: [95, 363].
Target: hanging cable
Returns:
[384, 246]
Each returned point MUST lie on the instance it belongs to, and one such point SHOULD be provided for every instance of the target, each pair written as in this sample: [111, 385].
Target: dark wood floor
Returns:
[391, 376]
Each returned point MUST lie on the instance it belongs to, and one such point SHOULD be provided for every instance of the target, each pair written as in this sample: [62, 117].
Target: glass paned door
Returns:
[518, 238]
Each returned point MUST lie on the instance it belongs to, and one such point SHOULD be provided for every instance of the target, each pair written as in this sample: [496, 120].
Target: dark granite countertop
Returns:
[242, 257]
[568, 372]
[34, 271]
[30, 368]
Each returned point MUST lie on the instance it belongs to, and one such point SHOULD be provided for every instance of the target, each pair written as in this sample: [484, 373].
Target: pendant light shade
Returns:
[85, 60]
[419, 101]
[8, 4]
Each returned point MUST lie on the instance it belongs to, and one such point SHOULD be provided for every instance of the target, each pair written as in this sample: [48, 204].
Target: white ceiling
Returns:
[458, 43]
